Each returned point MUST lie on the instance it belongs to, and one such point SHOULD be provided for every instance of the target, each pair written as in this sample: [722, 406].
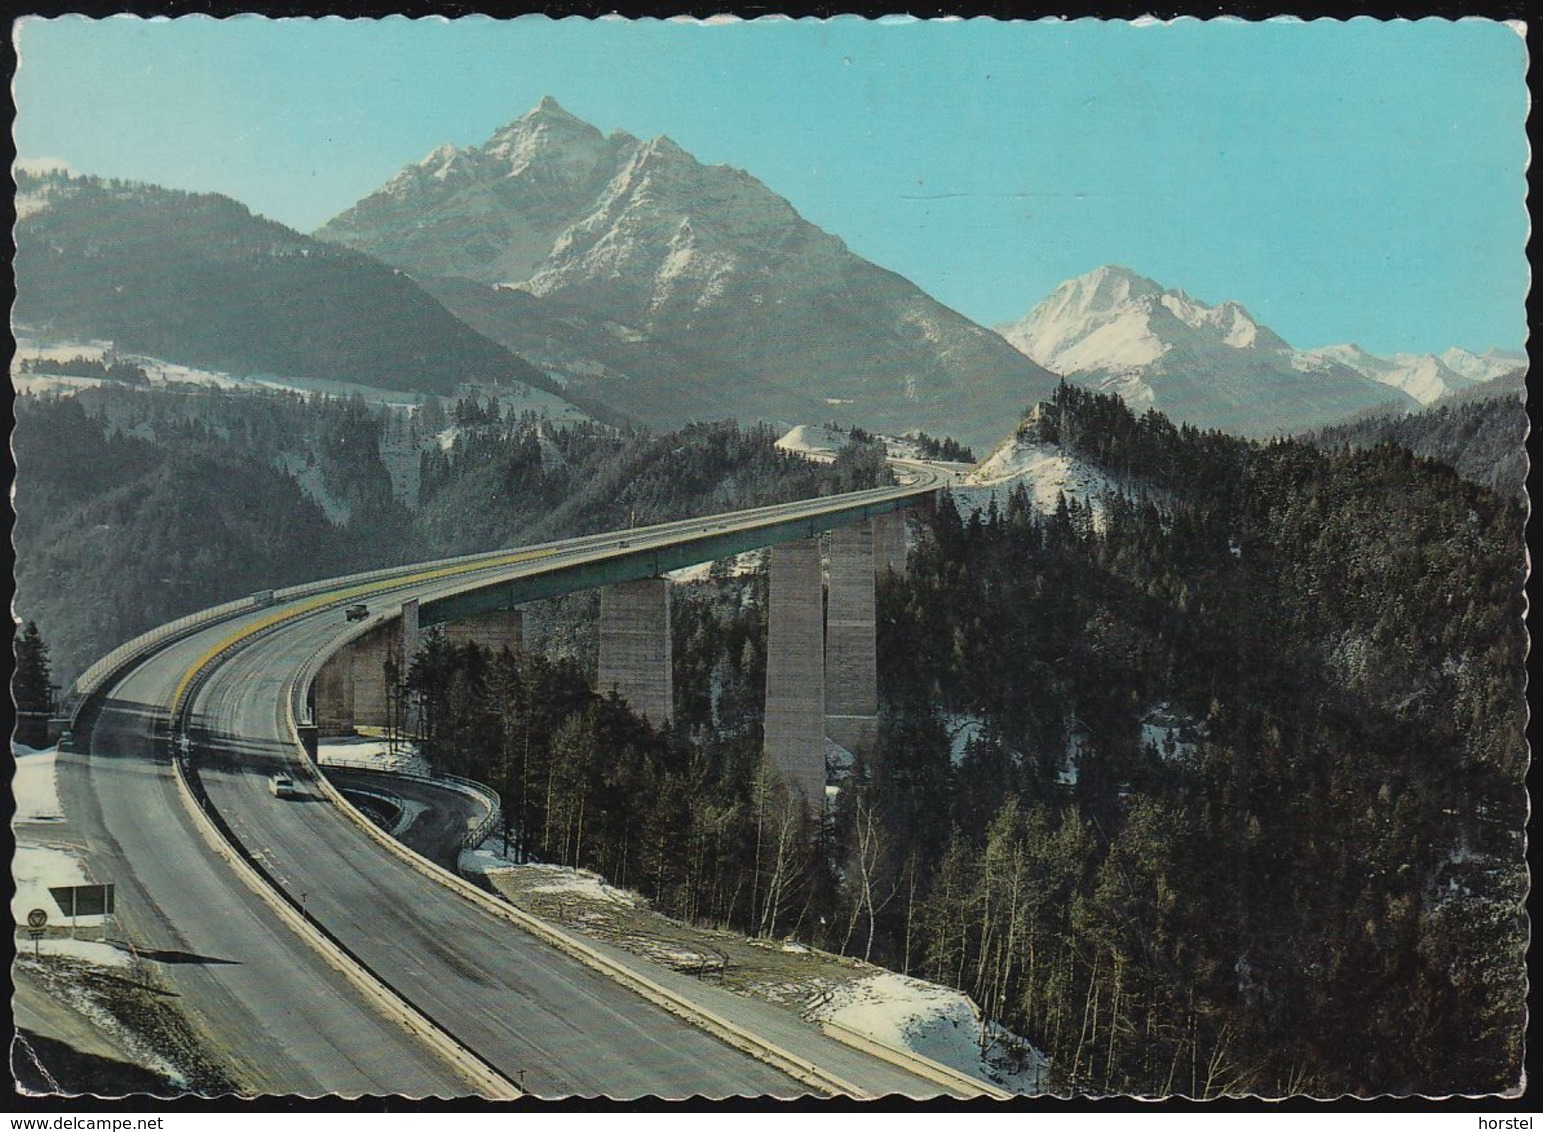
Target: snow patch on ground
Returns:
[739, 565]
[87, 1004]
[1175, 735]
[492, 856]
[1076, 743]
[410, 812]
[34, 786]
[1046, 470]
[94, 952]
[36, 869]
[483, 861]
[961, 729]
[814, 442]
[936, 1022]
[584, 884]
[372, 754]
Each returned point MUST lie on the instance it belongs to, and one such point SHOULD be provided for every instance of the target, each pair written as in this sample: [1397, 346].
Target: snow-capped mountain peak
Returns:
[1114, 319]
[563, 148]
[1215, 366]
[1096, 320]
[780, 319]
[1104, 289]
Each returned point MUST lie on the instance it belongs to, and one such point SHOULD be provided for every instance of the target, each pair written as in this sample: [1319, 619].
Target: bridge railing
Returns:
[478, 833]
[97, 675]
[94, 677]
[492, 803]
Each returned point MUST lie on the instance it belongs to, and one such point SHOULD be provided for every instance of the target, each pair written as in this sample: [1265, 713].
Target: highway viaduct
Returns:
[821, 679]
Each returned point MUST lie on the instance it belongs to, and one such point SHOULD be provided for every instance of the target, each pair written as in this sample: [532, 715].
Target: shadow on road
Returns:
[161, 955]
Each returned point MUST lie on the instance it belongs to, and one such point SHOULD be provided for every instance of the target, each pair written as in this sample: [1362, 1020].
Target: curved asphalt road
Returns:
[288, 1022]
[259, 996]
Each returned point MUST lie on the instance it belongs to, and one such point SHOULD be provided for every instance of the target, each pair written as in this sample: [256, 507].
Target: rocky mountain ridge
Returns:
[785, 321]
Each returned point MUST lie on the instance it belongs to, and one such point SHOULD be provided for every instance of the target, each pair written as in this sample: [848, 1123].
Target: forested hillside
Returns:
[117, 534]
[1245, 813]
[509, 477]
[1220, 795]
[197, 279]
[1482, 433]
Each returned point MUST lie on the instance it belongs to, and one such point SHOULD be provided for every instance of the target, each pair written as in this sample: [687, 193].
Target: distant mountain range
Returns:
[1218, 367]
[631, 280]
[720, 281]
[1427, 378]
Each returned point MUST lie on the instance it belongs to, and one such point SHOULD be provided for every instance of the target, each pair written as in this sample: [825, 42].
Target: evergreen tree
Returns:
[32, 688]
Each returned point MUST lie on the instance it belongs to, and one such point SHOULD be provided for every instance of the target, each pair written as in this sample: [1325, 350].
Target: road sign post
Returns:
[37, 921]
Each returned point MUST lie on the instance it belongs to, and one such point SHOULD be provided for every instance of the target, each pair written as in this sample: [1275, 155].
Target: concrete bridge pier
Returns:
[372, 696]
[795, 670]
[333, 693]
[495, 630]
[351, 689]
[851, 650]
[889, 539]
[635, 652]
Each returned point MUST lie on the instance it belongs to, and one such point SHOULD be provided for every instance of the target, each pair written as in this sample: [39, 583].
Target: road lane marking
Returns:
[290, 612]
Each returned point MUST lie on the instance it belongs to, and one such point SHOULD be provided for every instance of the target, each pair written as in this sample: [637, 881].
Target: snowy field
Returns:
[372, 754]
[33, 785]
[814, 442]
[36, 868]
[1044, 469]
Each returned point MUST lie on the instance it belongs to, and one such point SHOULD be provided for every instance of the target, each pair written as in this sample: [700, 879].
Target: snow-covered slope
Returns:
[1047, 471]
[937, 1022]
[1487, 366]
[780, 317]
[1213, 366]
[1426, 377]
[814, 442]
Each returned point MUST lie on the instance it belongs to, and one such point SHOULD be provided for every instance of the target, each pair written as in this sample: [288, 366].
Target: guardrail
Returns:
[94, 677]
[478, 833]
[99, 673]
[492, 802]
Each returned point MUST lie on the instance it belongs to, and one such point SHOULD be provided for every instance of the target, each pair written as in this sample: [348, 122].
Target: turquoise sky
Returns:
[1357, 181]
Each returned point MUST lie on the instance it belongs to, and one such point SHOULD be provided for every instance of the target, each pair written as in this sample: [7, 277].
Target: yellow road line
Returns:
[362, 590]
